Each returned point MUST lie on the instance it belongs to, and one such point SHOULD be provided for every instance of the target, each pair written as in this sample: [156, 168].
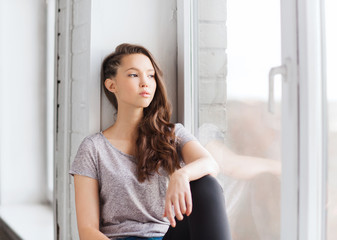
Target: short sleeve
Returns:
[85, 161]
[183, 135]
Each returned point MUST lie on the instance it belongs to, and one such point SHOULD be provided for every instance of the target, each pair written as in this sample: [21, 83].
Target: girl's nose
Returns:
[144, 81]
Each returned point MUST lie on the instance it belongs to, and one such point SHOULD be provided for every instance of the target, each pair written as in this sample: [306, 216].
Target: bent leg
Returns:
[208, 219]
[180, 232]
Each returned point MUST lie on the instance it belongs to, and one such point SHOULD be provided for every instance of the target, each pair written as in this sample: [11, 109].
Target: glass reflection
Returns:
[237, 46]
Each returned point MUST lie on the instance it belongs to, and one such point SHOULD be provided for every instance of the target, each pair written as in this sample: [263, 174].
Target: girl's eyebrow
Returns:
[136, 69]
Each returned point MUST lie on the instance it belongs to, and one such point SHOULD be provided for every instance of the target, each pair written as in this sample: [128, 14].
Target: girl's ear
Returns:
[111, 85]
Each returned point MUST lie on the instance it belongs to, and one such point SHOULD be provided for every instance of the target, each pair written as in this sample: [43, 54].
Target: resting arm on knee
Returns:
[199, 163]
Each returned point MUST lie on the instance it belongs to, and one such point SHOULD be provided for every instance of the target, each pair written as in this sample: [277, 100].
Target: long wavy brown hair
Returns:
[156, 141]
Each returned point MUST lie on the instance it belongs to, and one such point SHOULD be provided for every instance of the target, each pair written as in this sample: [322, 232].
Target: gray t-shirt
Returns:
[127, 207]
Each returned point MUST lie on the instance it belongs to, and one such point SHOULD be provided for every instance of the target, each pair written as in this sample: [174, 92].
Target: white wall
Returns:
[22, 101]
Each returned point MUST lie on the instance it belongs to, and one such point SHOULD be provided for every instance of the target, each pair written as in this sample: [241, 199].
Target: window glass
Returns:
[238, 42]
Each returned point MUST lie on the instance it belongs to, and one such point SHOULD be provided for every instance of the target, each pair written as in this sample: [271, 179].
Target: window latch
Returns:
[282, 70]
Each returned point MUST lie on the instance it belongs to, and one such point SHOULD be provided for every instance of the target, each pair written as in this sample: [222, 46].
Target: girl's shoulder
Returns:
[92, 138]
[179, 129]
[86, 161]
[178, 126]
[183, 135]
[92, 142]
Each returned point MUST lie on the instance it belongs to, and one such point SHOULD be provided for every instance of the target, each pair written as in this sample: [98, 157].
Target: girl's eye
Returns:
[132, 75]
[151, 76]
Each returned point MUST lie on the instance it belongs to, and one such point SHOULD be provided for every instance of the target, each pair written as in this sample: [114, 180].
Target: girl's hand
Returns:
[179, 196]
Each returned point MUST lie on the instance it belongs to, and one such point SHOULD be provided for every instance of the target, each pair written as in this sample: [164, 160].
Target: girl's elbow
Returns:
[215, 168]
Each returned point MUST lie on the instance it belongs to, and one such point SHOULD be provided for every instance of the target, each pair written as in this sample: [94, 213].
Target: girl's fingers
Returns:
[168, 213]
[178, 195]
[188, 200]
[182, 204]
[177, 210]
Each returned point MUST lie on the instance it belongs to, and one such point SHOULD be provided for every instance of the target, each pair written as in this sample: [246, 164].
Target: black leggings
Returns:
[208, 220]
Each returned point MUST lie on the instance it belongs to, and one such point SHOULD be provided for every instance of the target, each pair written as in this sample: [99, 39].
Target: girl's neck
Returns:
[126, 123]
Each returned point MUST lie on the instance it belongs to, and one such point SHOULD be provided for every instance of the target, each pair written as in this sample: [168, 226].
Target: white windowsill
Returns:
[31, 222]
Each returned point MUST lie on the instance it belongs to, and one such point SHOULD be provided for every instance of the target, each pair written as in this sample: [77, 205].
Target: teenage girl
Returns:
[145, 177]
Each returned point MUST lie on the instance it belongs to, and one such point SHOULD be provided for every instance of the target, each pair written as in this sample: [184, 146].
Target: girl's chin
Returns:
[146, 106]
[143, 105]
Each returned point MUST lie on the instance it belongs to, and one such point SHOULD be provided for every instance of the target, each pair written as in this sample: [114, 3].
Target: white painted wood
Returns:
[289, 179]
[63, 135]
[50, 95]
[312, 179]
[185, 99]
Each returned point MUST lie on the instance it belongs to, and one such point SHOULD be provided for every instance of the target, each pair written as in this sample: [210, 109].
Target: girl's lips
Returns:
[145, 94]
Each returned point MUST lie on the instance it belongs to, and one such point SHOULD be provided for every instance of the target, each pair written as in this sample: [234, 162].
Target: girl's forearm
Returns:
[199, 168]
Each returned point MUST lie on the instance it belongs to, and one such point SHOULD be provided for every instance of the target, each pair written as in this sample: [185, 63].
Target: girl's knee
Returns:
[206, 185]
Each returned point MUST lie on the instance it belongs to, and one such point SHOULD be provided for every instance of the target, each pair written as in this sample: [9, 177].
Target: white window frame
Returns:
[290, 135]
[312, 120]
[186, 85]
[50, 61]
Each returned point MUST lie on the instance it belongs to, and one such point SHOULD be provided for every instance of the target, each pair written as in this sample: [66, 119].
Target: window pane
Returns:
[331, 52]
[237, 44]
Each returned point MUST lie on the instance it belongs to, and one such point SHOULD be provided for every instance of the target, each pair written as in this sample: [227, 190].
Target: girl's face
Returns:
[134, 83]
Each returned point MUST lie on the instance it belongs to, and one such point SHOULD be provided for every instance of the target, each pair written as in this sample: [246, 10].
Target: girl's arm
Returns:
[87, 208]
[198, 164]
